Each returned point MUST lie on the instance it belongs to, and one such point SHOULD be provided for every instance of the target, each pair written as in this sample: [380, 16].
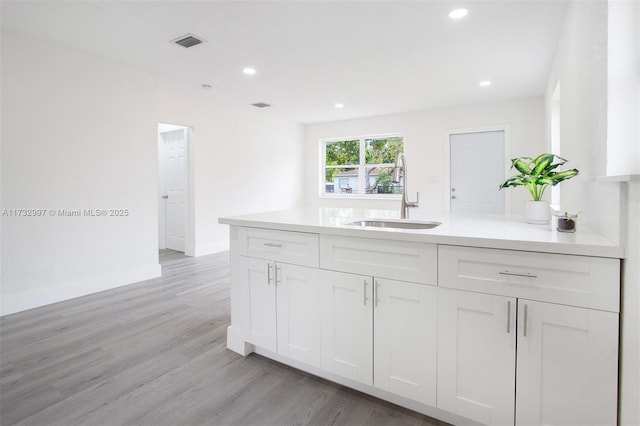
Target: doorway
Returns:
[476, 166]
[174, 189]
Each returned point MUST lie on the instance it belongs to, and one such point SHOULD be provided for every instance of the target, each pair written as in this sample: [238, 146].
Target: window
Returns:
[361, 166]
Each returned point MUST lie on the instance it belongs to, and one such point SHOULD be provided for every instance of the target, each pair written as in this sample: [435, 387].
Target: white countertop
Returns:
[511, 233]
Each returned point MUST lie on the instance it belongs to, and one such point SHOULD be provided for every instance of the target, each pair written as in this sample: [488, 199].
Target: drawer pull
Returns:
[508, 316]
[518, 274]
[365, 292]
[273, 245]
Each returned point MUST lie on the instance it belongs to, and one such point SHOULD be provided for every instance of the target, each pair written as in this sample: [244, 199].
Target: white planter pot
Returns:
[537, 212]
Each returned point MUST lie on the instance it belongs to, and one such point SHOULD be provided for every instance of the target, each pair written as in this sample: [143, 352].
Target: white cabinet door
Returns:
[476, 355]
[405, 328]
[258, 278]
[347, 325]
[298, 313]
[567, 365]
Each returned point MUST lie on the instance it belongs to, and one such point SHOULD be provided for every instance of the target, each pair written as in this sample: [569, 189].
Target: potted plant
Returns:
[537, 174]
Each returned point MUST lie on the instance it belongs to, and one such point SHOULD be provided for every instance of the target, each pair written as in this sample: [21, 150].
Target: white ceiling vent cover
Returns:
[188, 40]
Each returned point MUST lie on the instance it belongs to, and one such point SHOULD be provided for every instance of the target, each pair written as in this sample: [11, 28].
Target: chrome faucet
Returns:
[405, 204]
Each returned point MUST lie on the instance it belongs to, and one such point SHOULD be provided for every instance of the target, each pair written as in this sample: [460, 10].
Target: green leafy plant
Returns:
[538, 174]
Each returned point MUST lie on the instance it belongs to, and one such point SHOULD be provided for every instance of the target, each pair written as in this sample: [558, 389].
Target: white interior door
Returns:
[477, 170]
[175, 187]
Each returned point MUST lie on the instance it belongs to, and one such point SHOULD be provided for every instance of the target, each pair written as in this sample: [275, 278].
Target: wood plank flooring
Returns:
[153, 353]
[167, 256]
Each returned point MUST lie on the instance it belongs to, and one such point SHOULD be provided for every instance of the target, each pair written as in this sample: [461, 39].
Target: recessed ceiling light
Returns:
[249, 71]
[485, 83]
[338, 106]
[458, 13]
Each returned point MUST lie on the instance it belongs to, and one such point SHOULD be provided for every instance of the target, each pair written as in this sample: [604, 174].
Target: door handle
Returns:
[377, 299]
[268, 273]
[453, 197]
[508, 316]
[278, 275]
[524, 331]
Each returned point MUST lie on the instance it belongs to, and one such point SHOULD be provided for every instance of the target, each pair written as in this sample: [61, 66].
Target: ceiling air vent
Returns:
[188, 40]
[261, 105]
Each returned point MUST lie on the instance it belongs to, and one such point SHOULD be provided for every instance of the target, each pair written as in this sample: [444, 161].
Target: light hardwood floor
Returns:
[154, 353]
[167, 256]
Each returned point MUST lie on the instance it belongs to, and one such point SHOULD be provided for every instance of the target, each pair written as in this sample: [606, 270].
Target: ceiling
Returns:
[375, 57]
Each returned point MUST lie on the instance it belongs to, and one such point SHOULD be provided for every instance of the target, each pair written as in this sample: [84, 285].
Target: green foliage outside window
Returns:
[383, 182]
[341, 153]
[383, 151]
[377, 151]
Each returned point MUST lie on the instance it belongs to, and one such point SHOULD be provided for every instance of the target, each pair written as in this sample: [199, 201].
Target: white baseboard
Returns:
[215, 247]
[47, 294]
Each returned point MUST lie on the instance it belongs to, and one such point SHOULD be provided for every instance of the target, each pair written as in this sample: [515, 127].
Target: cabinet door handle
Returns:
[518, 274]
[524, 331]
[365, 292]
[508, 316]
[273, 245]
[278, 275]
[377, 299]
[269, 273]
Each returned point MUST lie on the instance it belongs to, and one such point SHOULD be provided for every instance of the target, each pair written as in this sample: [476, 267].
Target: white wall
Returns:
[580, 64]
[623, 92]
[425, 134]
[77, 133]
[630, 343]
[80, 133]
[244, 160]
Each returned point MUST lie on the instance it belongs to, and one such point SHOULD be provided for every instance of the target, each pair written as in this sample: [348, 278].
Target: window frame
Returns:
[361, 166]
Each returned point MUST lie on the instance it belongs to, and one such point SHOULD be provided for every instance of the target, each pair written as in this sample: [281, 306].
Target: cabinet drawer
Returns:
[590, 282]
[397, 260]
[298, 248]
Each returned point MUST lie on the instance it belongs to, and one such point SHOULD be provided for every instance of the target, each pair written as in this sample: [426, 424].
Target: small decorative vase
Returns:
[537, 212]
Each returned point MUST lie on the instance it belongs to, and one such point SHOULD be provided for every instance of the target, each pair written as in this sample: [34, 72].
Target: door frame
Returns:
[506, 128]
[189, 237]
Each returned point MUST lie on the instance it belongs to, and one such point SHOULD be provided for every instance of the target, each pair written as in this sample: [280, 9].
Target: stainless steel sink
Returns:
[392, 223]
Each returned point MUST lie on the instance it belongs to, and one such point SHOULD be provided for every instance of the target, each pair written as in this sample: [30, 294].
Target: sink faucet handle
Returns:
[414, 203]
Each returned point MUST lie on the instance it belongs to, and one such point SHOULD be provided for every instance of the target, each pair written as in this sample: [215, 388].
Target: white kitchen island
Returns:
[481, 319]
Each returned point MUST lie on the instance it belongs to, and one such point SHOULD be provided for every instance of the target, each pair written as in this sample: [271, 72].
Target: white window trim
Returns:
[360, 195]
